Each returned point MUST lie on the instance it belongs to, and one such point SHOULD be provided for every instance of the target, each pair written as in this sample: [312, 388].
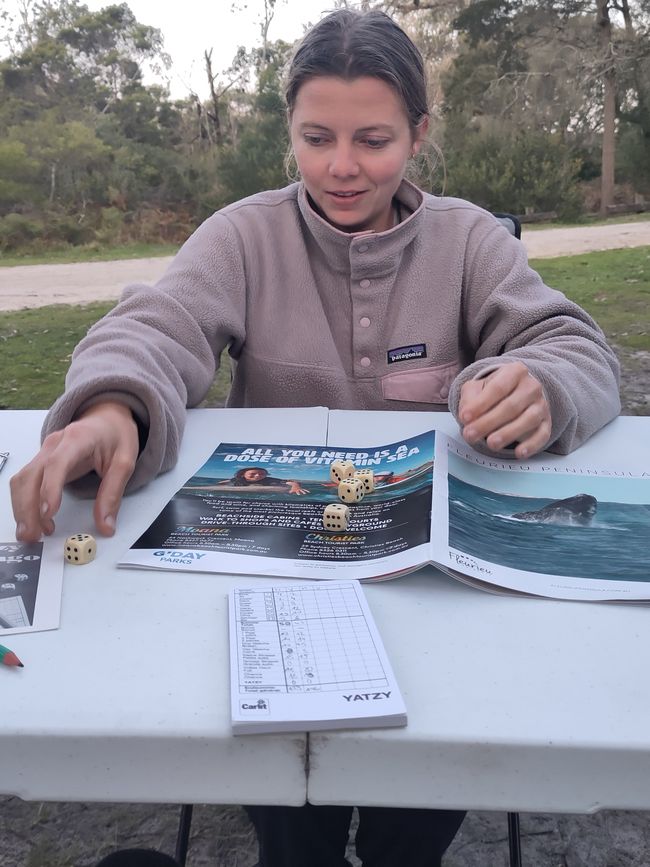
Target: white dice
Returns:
[351, 490]
[367, 478]
[340, 470]
[336, 516]
[80, 548]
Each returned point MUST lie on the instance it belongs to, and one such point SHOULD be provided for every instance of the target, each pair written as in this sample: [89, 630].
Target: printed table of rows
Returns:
[305, 639]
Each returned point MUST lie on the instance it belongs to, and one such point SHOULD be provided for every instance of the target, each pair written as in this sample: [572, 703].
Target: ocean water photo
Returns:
[576, 534]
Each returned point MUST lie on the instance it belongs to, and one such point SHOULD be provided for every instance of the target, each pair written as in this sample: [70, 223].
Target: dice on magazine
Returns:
[336, 517]
[367, 478]
[351, 490]
[340, 470]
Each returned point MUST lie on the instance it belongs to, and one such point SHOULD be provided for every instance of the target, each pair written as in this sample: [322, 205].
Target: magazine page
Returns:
[259, 509]
[545, 527]
[31, 585]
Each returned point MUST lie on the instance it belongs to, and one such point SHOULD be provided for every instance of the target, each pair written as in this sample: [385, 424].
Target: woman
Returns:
[351, 289]
[257, 477]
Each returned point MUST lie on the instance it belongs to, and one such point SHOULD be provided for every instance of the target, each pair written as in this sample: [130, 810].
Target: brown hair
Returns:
[349, 44]
[241, 474]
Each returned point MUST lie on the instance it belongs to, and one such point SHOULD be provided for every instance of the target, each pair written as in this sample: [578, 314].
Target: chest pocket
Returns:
[424, 385]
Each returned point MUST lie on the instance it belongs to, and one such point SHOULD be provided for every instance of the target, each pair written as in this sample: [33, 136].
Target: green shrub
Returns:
[520, 172]
[18, 230]
[111, 225]
[66, 229]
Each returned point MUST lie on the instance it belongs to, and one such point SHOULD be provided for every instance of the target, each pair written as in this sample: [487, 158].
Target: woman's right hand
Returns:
[103, 439]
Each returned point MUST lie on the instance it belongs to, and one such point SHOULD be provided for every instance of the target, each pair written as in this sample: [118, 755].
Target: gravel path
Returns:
[80, 283]
[77, 835]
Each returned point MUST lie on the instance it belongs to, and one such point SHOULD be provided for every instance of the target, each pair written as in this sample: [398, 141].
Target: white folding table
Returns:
[514, 704]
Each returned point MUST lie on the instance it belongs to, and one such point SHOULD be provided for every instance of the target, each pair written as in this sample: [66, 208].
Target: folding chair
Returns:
[511, 223]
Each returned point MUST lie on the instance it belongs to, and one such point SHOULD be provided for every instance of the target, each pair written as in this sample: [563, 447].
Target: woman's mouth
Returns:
[345, 197]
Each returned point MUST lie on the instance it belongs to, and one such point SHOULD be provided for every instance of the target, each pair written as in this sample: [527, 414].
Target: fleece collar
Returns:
[346, 251]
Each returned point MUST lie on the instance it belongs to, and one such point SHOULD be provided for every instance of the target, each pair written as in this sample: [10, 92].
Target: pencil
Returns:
[8, 657]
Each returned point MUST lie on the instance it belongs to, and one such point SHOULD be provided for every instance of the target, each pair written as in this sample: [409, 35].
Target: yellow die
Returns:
[367, 478]
[351, 490]
[336, 516]
[80, 548]
[340, 470]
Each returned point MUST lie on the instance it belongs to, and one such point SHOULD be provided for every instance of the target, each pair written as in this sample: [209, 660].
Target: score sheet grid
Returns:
[305, 639]
[12, 612]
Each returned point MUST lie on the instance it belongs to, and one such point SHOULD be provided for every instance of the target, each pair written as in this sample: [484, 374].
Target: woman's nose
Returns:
[344, 163]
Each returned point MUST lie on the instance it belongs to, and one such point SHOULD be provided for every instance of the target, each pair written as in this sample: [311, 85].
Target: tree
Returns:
[559, 65]
[609, 105]
[256, 162]
[81, 135]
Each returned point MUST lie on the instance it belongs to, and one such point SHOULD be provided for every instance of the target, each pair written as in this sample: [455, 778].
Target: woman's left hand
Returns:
[294, 488]
[507, 406]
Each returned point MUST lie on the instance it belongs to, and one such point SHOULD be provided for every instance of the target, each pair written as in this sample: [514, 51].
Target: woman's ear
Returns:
[420, 133]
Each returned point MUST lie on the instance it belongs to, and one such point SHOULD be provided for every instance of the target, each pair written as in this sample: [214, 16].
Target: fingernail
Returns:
[44, 509]
[20, 529]
[110, 520]
[524, 453]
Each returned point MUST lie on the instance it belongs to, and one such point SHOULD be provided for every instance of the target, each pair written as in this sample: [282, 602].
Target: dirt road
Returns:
[39, 285]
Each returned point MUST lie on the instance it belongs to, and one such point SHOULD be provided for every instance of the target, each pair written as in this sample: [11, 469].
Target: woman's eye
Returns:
[315, 139]
[376, 143]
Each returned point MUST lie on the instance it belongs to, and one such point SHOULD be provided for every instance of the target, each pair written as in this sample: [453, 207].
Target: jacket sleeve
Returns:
[158, 349]
[511, 315]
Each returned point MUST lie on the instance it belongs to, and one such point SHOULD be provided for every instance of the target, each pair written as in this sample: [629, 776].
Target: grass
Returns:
[89, 253]
[612, 285]
[35, 351]
[36, 345]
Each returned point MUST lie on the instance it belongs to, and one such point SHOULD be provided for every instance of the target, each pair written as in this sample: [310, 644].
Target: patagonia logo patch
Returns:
[406, 353]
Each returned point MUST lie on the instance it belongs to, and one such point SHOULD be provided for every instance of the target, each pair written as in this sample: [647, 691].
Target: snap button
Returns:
[364, 322]
[444, 391]
[364, 284]
[362, 248]
[365, 362]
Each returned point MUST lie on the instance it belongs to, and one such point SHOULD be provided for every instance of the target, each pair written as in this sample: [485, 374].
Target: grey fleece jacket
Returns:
[315, 316]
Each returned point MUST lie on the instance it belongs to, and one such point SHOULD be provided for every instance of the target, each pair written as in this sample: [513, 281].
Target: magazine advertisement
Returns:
[258, 509]
[570, 532]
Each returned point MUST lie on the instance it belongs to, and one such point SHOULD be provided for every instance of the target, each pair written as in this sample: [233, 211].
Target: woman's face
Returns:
[255, 475]
[352, 141]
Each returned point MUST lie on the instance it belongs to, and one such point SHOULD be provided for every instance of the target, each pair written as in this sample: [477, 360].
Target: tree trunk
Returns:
[52, 182]
[269, 12]
[609, 108]
[216, 119]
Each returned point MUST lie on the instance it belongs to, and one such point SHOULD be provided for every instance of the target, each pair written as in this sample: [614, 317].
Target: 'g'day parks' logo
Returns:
[255, 708]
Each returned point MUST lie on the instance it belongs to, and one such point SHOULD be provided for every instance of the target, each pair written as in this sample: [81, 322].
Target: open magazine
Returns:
[503, 526]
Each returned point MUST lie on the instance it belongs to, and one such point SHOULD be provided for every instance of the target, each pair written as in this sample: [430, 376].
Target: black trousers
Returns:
[138, 858]
[386, 837]
[317, 836]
